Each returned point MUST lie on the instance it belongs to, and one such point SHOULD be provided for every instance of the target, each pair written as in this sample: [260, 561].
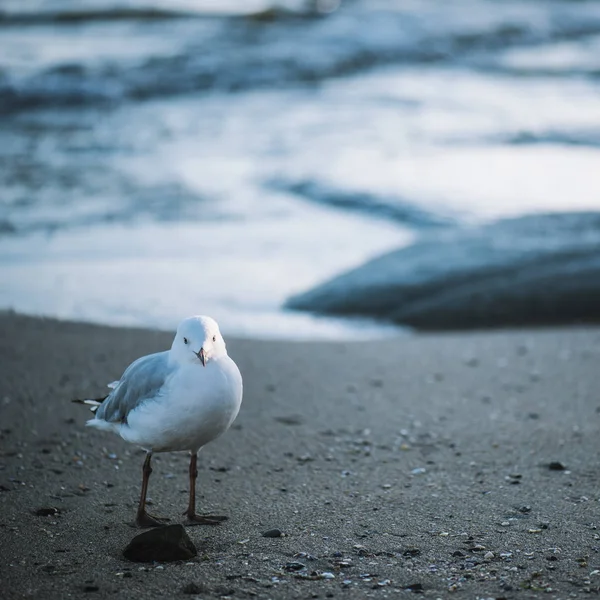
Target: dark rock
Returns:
[411, 552]
[193, 589]
[556, 466]
[414, 587]
[91, 588]
[294, 566]
[47, 512]
[458, 553]
[222, 592]
[161, 544]
[272, 533]
[538, 269]
[290, 420]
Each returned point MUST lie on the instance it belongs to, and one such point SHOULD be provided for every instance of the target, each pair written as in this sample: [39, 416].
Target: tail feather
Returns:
[93, 403]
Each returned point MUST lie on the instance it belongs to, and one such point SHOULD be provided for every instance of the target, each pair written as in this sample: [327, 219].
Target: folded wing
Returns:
[143, 380]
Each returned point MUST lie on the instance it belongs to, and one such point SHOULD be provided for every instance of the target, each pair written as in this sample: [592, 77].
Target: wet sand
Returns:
[416, 465]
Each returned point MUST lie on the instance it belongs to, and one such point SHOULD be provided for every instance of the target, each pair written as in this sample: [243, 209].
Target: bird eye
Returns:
[214, 338]
[185, 340]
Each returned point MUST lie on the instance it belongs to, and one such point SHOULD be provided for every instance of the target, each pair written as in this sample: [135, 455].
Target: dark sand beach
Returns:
[418, 465]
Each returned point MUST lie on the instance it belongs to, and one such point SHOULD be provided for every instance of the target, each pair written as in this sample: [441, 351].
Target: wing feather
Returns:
[142, 381]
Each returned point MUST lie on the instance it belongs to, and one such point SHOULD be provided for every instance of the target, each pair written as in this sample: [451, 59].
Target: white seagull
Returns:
[177, 400]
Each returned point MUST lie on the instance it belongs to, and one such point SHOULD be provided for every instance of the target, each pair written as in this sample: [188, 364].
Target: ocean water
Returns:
[159, 159]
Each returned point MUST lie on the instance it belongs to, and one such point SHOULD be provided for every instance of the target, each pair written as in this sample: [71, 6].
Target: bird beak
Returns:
[202, 356]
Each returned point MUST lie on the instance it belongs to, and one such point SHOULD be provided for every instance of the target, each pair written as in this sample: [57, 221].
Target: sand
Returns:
[415, 465]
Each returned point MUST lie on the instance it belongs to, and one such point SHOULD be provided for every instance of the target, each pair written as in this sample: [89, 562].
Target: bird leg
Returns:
[143, 519]
[192, 517]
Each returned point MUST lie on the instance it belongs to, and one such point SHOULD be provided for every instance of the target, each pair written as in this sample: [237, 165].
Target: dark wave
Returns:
[534, 270]
[260, 52]
[589, 138]
[91, 15]
[148, 13]
[394, 209]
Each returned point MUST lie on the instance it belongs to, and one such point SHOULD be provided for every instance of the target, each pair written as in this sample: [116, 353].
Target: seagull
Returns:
[176, 400]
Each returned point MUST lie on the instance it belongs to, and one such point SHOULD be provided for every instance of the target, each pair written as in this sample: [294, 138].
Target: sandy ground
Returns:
[412, 466]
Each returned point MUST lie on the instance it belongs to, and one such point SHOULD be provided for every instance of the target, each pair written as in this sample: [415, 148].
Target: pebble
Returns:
[304, 555]
[294, 566]
[305, 458]
[488, 555]
[47, 512]
[556, 466]
[193, 589]
[272, 533]
[419, 471]
[414, 587]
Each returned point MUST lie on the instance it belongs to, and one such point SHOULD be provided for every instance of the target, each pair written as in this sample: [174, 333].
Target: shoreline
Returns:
[421, 460]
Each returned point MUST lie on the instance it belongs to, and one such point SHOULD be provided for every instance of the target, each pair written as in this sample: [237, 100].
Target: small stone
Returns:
[304, 555]
[556, 466]
[410, 552]
[305, 458]
[90, 588]
[161, 544]
[525, 509]
[414, 587]
[272, 533]
[419, 471]
[47, 512]
[488, 555]
[290, 420]
[458, 553]
[294, 566]
[193, 589]
[327, 575]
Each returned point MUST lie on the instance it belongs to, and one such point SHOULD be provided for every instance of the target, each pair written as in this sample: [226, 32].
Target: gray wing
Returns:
[141, 381]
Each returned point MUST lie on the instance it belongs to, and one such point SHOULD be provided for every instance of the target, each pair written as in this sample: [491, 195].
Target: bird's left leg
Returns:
[192, 517]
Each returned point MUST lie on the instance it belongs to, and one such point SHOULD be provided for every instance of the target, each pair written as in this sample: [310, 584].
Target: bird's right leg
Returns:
[143, 519]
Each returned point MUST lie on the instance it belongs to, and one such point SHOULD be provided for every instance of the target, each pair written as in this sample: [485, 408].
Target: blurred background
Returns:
[165, 158]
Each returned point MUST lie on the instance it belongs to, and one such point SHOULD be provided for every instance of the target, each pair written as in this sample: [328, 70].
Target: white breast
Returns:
[199, 405]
